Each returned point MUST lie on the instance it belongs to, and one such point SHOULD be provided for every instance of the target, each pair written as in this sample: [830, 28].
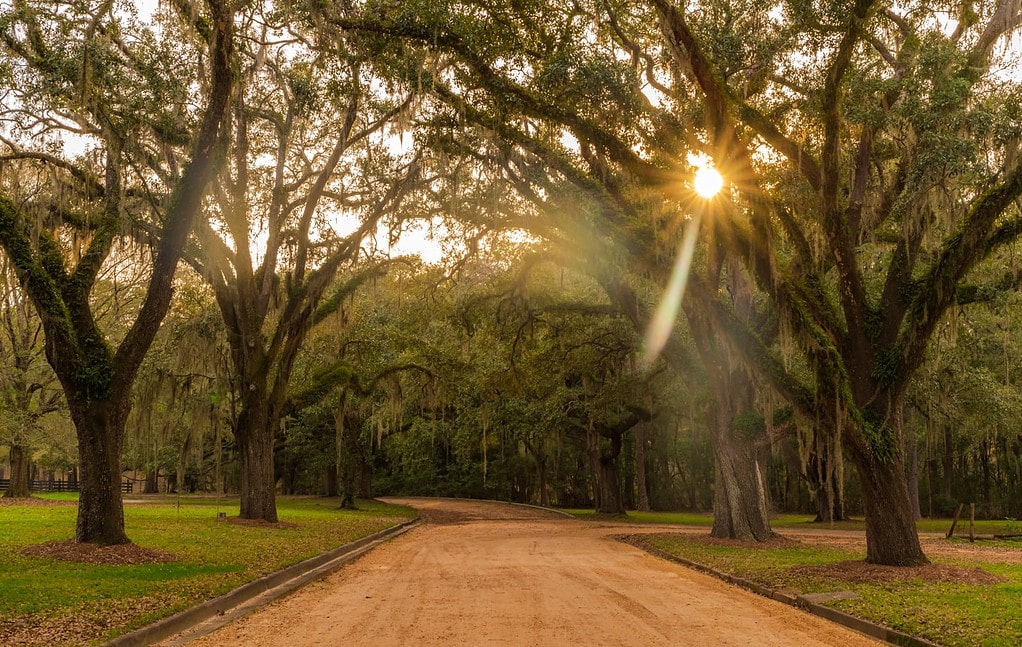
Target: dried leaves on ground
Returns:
[6, 501]
[260, 523]
[862, 572]
[120, 554]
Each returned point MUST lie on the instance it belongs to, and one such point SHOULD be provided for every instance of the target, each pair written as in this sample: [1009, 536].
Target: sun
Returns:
[707, 182]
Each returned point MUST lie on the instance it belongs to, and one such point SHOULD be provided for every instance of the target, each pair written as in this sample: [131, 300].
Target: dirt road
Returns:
[479, 573]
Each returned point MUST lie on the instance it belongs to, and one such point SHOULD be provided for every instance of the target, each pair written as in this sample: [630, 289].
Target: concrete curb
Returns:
[871, 629]
[293, 576]
[540, 507]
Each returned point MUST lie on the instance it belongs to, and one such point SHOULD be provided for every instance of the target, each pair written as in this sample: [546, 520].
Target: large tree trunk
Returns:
[346, 472]
[891, 536]
[737, 431]
[642, 502]
[739, 496]
[347, 448]
[603, 460]
[365, 479]
[255, 449]
[152, 481]
[100, 427]
[19, 486]
[610, 499]
[740, 509]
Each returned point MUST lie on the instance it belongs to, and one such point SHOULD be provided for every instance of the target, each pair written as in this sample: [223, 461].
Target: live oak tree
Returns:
[871, 155]
[891, 171]
[76, 69]
[580, 104]
[310, 179]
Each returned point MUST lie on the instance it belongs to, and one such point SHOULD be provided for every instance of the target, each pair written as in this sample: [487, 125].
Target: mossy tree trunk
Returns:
[100, 426]
[96, 378]
[891, 536]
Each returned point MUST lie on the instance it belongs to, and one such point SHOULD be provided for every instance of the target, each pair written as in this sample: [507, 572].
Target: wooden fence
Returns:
[60, 486]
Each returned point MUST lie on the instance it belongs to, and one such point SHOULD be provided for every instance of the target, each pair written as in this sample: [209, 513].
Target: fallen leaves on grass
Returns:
[862, 572]
[260, 523]
[88, 623]
[120, 554]
[777, 541]
[9, 501]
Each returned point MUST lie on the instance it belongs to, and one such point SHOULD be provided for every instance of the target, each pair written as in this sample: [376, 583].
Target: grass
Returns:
[805, 522]
[953, 614]
[56, 602]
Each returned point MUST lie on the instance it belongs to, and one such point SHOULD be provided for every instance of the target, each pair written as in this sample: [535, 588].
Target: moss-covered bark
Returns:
[96, 378]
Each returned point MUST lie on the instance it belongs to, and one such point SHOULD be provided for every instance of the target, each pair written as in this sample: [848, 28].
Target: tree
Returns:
[28, 385]
[864, 188]
[72, 71]
[306, 163]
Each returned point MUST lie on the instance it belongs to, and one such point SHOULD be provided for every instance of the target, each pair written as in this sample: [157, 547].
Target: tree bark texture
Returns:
[255, 450]
[19, 487]
[739, 496]
[891, 536]
[737, 431]
[100, 427]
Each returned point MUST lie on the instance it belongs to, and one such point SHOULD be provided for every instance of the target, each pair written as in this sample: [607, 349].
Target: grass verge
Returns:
[805, 521]
[47, 602]
[952, 613]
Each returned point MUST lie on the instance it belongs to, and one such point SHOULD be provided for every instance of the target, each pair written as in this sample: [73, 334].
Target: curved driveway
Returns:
[478, 573]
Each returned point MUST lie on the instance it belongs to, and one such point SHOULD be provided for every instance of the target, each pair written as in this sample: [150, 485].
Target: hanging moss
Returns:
[879, 439]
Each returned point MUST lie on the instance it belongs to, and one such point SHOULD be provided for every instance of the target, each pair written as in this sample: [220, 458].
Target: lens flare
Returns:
[707, 182]
[663, 319]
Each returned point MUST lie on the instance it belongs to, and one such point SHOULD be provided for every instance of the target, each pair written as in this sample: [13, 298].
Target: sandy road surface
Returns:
[490, 574]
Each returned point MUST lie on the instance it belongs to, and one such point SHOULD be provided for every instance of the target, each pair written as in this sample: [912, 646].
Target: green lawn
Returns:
[952, 614]
[805, 521]
[51, 602]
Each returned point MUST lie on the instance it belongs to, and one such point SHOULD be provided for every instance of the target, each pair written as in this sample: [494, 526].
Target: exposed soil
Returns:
[485, 573]
[860, 571]
[73, 551]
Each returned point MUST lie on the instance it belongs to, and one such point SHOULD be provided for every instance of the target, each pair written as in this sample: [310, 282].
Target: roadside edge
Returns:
[293, 576]
[866, 627]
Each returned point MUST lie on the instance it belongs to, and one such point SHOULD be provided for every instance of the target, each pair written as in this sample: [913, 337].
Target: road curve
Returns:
[477, 573]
